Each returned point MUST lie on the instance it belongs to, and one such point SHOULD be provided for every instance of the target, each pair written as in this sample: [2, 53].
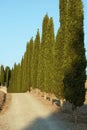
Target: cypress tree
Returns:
[39, 69]
[32, 66]
[30, 55]
[11, 82]
[42, 51]
[27, 66]
[59, 53]
[27, 59]
[15, 77]
[74, 55]
[24, 71]
[7, 75]
[59, 73]
[48, 59]
[36, 59]
[2, 75]
[18, 78]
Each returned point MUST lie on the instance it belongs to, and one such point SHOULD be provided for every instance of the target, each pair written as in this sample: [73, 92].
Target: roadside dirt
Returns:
[3, 116]
[31, 112]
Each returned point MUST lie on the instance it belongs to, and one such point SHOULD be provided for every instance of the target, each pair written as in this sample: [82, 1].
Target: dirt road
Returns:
[26, 112]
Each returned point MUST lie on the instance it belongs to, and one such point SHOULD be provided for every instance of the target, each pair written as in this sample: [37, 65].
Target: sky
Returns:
[19, 21]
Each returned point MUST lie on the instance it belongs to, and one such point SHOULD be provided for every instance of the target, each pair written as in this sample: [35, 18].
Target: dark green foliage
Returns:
[23, 74]
[36, 59]
[11, 87]
[30, 57]
[59, 52]
[2, 75]
[48, 57]
[44, 28]
[74, 55]
[63, 9]
[41, 71]
[59, 73]
[7, 75]
[23, 70]
[39, 68]
[18, 78]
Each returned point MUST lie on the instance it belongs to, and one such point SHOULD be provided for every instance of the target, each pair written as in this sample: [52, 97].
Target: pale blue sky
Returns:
[19, 21]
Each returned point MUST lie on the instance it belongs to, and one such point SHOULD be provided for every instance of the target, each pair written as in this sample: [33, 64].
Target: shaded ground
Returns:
[30, 112]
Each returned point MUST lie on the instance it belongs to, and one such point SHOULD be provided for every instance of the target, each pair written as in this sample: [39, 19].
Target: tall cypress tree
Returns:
[30, 54]
[27, 66]
[59, 73]
[24, 71]
[42, 51]
[36, 59]
[39, 68]
[59, 53]
[18, 75]
[48, 57]
[74, 55]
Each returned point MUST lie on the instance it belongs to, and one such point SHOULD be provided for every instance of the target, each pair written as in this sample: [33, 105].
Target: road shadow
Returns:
[49, 123]
[38, 124]
[61, 120]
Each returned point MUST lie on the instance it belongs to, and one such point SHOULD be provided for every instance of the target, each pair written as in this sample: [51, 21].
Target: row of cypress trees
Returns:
[55, 64]
[36, 68]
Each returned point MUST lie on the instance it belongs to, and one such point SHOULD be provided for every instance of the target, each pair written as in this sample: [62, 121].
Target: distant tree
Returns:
[18, 78]
[2, 75]
[15, 79]
[7, 75]
[12, 81]
[24, 72]
[29, 71]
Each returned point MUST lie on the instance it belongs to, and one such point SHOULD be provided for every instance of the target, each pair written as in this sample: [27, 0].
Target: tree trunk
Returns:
[61, 104]
[74, 109]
